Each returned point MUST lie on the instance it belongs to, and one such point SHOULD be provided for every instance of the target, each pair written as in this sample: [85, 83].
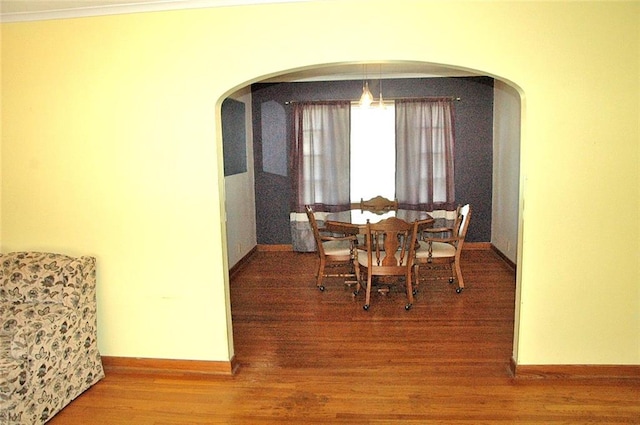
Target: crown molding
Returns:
[47, 10]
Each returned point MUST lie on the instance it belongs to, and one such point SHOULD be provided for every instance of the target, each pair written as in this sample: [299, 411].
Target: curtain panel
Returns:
[424, 155]
[319, 161]
[320, 155]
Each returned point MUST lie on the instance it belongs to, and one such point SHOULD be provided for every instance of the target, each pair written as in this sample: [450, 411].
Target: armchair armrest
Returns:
[438, 234]
[429, 241]
[327, 238]
[438, 230]
[37, 326]
[340, 232]
[335, 231]
[49, 278]
[343, 228]
[85, 282]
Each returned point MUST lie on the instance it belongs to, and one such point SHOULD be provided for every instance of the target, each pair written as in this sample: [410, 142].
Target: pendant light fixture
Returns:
[367, 98]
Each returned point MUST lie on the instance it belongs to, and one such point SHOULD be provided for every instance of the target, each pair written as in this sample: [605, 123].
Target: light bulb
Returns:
[367, 98]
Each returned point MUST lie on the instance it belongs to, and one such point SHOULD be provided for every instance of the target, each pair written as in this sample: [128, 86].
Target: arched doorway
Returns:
[504, 208]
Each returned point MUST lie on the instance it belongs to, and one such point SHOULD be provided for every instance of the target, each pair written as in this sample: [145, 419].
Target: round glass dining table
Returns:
[360, 217]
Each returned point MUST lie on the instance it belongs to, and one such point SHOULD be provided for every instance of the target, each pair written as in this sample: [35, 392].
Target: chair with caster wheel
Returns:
[444, 250]
[390, 248]
[336, 248]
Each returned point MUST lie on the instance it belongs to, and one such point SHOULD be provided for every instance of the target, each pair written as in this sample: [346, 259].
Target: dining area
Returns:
[375, 246]
[386, 173]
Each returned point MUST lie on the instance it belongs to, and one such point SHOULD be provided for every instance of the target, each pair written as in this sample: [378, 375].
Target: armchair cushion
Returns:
[40, 277]
[337, 247]
[439, 249]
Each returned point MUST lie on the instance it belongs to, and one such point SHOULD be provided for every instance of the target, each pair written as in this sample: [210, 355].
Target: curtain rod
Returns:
[456, 98]
[417, 99]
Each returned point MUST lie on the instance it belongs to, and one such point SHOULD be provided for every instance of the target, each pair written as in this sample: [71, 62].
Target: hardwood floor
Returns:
[311, 357]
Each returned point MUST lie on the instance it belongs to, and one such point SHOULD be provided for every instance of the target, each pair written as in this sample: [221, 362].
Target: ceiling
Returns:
[34, 10]
[13, 10]
[20, 6]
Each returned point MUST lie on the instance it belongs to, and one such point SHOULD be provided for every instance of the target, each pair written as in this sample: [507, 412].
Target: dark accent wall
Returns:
[234, 139]
[473, 149]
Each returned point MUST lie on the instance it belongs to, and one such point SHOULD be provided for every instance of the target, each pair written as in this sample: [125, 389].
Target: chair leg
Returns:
[458, 272]
[452, 269]
[416, 274]
[408, 278]
[320, 274]
[356, 268]
[358, 282]
[367, 298]
[352, 272]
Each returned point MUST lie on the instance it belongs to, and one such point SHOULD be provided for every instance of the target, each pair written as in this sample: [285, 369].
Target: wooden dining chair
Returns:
[378, 204]
[336, 248]
[390, 251]
[443, 246]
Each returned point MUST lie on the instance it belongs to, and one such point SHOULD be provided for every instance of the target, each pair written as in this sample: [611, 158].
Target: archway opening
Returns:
[500, 154]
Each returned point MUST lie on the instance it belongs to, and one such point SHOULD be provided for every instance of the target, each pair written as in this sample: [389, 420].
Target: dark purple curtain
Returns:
[320, 155]
[424, 155]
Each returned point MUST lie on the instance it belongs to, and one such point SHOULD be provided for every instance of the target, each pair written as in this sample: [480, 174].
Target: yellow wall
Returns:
[111, 147]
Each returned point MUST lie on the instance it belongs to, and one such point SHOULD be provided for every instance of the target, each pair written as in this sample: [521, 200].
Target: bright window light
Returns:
[373, 152]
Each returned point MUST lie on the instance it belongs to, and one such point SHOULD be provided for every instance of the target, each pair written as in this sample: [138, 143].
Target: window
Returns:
[320, 155]
[436, 152]
[342, 153]
[313, 183]
[373, 152]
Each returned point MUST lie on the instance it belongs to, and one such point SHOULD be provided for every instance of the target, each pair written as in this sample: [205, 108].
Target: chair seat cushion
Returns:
[337, 247]
[440, 250]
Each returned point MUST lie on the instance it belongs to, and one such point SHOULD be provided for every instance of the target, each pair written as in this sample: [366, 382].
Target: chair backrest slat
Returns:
[378, 204]
[391, 243]
[316, 232]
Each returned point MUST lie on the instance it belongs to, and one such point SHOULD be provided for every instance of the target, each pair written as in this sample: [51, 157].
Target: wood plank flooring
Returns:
[311, 357]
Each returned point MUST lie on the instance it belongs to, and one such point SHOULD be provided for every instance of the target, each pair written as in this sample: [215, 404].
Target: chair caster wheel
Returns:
[408, 307]
[414, 292]
[458, 290]
[451, 280]
[366, 307]
[321, 288]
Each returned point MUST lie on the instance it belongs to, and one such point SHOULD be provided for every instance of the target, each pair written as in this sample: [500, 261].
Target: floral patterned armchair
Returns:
[48, 340]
